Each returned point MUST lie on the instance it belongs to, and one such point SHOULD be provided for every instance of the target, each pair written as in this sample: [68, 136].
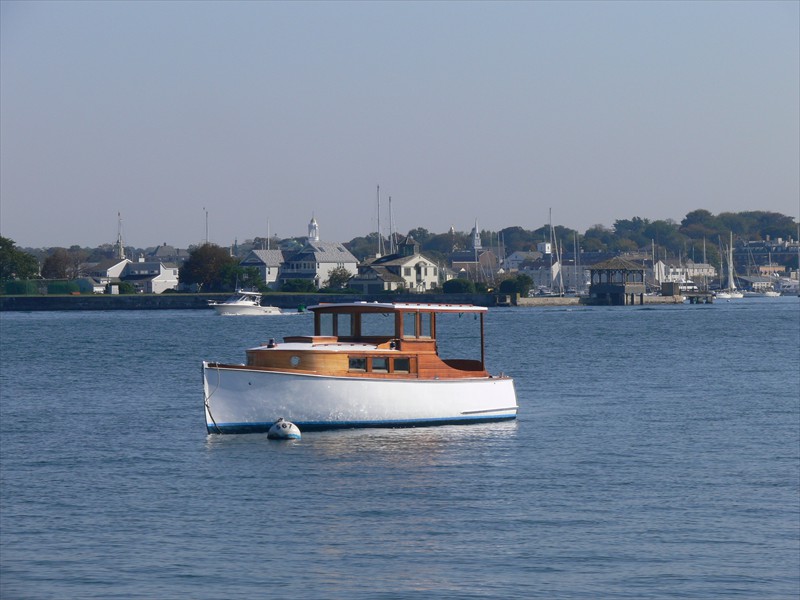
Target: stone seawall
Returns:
[200, 301]
[575, 301]
[284, 301]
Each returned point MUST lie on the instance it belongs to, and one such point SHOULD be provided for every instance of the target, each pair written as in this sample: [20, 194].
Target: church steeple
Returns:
[476, 236]
[313, 230]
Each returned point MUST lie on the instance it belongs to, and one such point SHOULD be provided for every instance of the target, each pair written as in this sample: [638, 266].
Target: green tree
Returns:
[299, 286]
[598, 239]
[699, 224]
[458, 286]
[521, 284]
[363, 247]
[632, 232]
[14, 263]
[420, 234]
[516, 238]
[56, 264]
[209, 266]
[64, 264]
[445, 243]
[337, 278]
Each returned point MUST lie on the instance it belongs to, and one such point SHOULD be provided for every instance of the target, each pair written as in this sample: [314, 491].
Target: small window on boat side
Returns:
[357, 364]
[409, 325]
[380, 365]
[402, 365]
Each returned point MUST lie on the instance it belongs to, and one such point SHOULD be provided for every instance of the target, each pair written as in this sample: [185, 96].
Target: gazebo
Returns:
[617, 282]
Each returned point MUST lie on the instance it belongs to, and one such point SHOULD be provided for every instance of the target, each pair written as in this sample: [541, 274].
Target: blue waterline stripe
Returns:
[327, 425]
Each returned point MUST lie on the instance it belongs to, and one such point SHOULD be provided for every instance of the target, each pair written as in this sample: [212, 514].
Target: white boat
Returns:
[788, 287]
[731, 293]
[762, 294]
[367, 365]
[244, 303]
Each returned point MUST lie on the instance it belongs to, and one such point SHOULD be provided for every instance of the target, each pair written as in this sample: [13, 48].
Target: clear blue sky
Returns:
[271, 112]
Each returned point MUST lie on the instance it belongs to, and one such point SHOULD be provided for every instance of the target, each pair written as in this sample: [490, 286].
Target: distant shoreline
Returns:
[281, 300]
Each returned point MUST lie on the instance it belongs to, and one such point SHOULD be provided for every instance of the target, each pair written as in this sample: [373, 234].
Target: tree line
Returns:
[700, 230]
[697, 235]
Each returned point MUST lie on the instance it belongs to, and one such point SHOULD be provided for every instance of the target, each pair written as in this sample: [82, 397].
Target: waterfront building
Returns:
[315, 260]
[407, 269]
[268, 263]
[617, 282]
[151, 277]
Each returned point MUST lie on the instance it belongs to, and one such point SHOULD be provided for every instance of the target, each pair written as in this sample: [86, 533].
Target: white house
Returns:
[679, 272]
[315, 260]
[515, 259]
[107, 271]
[268, 263]
[151, 277]
[406, 270]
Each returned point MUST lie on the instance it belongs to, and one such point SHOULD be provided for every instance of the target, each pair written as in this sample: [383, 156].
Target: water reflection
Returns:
[413, 446]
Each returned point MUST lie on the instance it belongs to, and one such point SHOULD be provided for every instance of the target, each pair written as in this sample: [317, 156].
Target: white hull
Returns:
[233, 309]
[729, 295]
[241, 400]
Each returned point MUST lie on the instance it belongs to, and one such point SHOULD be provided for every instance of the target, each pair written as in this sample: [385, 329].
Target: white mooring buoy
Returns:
[283, 430]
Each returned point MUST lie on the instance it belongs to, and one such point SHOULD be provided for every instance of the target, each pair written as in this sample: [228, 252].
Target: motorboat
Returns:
[368, 364]
[244, 303]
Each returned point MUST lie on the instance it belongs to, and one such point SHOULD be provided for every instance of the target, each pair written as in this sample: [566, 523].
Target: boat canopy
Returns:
[411, 323]
[397, 307]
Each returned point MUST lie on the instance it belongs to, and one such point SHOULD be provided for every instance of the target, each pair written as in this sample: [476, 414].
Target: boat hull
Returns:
[242, 310]
[242, 400]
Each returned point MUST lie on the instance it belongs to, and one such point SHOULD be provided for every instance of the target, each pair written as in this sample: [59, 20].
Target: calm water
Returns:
[655, 456]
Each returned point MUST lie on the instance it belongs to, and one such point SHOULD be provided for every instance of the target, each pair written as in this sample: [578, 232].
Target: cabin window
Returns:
[326, 324]
[377, 325]
[344, 325]
[380, 365]
[409, 325]
[358, 364]
[426, 325]
[402, 365]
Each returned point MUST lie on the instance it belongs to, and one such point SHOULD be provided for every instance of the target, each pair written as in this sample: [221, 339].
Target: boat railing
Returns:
[310, 339]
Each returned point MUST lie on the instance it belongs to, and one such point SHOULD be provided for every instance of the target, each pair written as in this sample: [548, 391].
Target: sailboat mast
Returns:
[391, 229]
[550, 226]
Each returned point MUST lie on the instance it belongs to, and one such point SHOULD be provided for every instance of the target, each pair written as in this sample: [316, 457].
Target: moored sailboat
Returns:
[731, 292]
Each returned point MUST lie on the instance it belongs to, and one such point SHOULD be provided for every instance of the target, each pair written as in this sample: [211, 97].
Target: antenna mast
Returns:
[380, 236]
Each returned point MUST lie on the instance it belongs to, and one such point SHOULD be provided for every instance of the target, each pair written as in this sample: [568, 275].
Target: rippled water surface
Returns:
[655, 456]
